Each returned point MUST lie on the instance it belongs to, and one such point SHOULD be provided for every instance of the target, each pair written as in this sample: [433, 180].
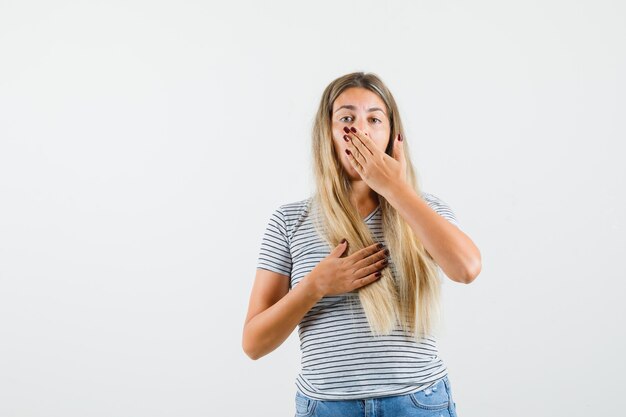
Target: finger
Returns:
[375, 261]
[363, 143]
[362, 140]
[367, 279]
[398, 148]
[339, 249]
[354, 161]
[357, 153]
[366, 251]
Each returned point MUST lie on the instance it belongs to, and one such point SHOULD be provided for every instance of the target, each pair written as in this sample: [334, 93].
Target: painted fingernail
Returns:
[378, 274]
[345, 137]
[345, 129]
[353, 129]
[348, 151]
[387, 252]
[400, 137]
[380, 246]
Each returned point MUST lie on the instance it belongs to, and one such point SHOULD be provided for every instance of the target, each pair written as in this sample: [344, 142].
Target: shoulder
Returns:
[291, 210]
[287, 215]
[432, 199]
[440, 206]
[294, 206]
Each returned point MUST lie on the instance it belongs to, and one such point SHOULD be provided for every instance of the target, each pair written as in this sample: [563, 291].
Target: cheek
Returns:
[338, 140]
[381, 140]
[339, 149]
[338, 134]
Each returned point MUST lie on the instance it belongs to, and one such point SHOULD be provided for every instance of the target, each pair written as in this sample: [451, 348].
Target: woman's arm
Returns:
[274, 311]
[448, 245]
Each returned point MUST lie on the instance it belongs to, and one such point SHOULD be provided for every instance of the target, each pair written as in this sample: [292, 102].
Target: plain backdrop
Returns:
[144, 145]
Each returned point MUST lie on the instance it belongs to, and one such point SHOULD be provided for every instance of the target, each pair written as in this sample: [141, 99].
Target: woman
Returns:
[356, 267]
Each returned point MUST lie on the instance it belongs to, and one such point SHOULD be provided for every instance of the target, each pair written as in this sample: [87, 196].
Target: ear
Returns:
[398, 148]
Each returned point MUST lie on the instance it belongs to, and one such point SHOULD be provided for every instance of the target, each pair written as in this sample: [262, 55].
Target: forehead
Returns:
[362, 98]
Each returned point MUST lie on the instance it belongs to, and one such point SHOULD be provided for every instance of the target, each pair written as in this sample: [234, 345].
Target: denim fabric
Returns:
[435, 401]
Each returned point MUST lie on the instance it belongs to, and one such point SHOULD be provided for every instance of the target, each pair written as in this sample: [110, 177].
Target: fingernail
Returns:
[345, 137]
[387, 252]
[343, 240]
[353, 129]
[400, 137]
[378, 274]
[345, 129]
[380, 246]
[348, 151]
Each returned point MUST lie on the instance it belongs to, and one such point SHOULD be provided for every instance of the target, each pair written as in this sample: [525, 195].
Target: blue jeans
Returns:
[435, 401]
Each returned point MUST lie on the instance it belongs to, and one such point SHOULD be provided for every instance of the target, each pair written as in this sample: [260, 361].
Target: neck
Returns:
[363, 197]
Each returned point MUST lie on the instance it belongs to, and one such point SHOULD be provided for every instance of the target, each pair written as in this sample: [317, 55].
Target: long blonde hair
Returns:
[413, 294]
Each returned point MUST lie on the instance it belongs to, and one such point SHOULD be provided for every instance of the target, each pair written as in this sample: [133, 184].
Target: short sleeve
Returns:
[275, 254]
[441, 207]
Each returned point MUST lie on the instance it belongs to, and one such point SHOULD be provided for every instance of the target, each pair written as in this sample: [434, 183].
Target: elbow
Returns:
[466, 275]
[250, 354]
[250, 348]
[254, 355]
[472, 271]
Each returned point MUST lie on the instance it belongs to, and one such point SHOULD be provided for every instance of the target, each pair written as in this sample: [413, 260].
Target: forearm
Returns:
[269, 329]
[452, 249]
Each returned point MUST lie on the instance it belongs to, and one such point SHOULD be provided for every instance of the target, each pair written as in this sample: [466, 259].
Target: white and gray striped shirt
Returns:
[341, 359]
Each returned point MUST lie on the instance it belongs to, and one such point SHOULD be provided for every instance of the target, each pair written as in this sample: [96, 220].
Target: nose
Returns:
[361, 125]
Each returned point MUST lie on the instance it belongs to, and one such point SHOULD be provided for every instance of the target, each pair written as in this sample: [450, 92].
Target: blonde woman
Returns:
[356, 267]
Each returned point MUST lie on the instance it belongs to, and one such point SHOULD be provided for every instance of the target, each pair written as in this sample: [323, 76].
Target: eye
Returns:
[344, 117]
[379, 121]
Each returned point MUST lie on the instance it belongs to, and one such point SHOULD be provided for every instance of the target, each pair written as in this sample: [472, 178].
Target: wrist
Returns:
[394, 190]
[310, 287]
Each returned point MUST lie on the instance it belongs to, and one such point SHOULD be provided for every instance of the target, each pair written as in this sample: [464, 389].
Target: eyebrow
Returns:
[352, 107]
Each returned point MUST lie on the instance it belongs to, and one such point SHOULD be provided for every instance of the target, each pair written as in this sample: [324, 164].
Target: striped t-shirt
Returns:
[341, 359]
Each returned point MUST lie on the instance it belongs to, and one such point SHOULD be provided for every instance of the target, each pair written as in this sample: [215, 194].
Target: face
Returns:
[366, 111]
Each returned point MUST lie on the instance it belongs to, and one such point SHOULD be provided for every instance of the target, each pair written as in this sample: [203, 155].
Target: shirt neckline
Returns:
[369, 216]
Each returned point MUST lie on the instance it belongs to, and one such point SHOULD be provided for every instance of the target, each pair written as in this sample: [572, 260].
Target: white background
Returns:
[144, 145]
